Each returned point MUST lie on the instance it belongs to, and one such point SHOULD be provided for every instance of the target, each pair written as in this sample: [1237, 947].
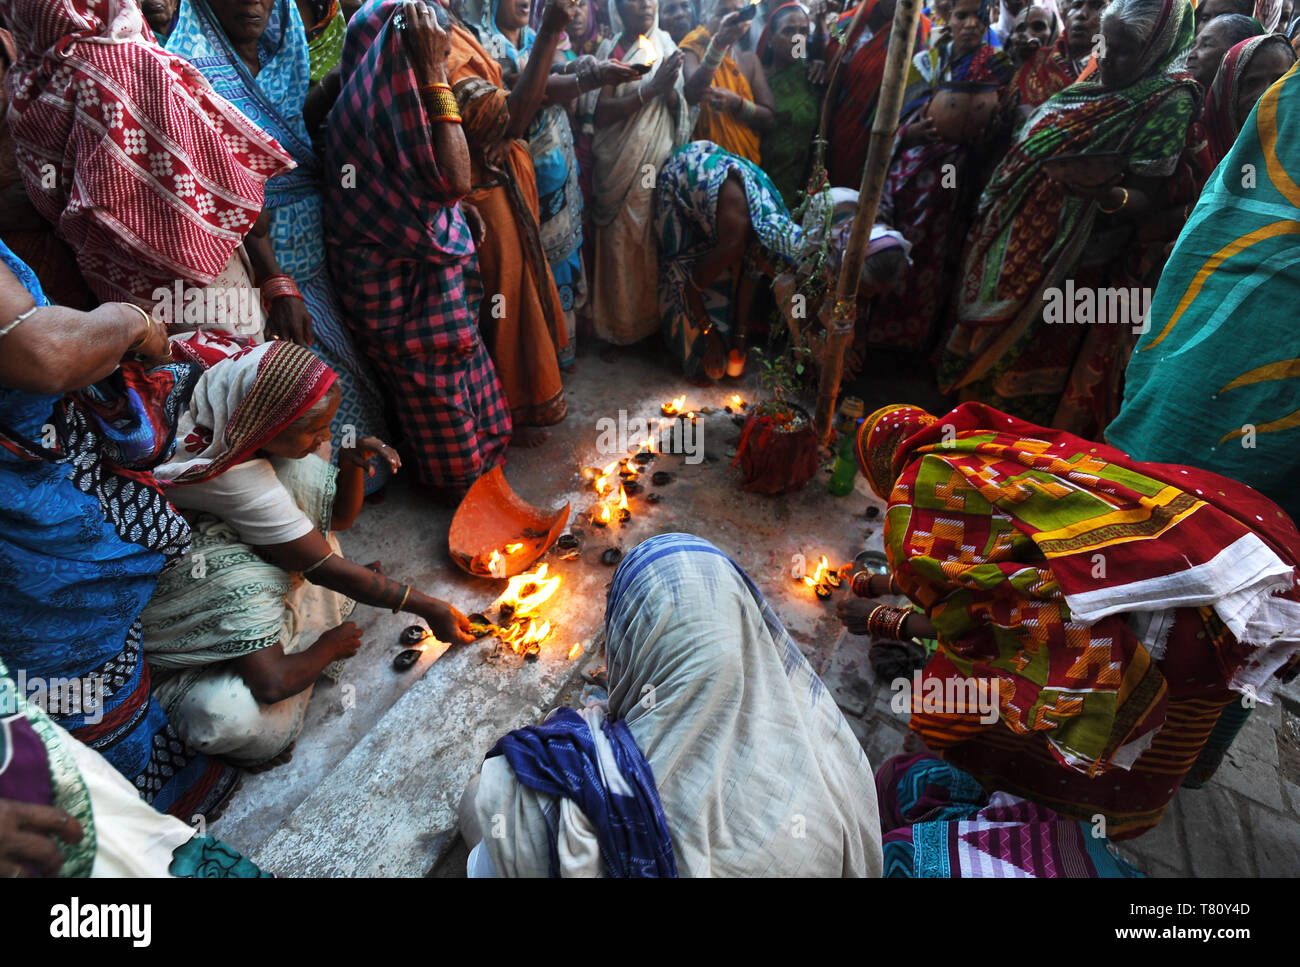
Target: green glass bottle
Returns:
[846, 462]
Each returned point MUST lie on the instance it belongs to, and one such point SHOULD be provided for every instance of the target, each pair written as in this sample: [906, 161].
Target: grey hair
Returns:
[1140, 16]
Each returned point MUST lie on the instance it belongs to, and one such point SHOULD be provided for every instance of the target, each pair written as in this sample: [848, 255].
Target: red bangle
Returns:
[278, 287]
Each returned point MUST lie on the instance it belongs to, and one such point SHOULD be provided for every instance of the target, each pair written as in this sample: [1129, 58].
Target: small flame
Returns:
[674, 407]
[737, 401]
[575, 651]
[514, 548]
[649, 443]
[816, 579]
[494, 565]
[604, 513]
[622, 500]
[601, 484]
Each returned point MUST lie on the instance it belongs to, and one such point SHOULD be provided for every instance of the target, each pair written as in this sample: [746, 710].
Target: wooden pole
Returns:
[880, 148]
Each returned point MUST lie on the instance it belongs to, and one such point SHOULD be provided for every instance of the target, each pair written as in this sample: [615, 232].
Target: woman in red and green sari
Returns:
[1037, 243]
[1103, 613]
[857, 87]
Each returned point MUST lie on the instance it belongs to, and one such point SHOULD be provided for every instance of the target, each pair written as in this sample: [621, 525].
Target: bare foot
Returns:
[272, 762]
[715, 356]
[528, 437]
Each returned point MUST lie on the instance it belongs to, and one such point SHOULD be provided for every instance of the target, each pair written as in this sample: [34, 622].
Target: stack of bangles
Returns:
[860, 585]
[887, 622]
[713, 58]
[445, 106]
[278, 287]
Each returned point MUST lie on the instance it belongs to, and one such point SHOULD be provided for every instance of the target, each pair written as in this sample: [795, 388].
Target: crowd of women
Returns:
[259, 256]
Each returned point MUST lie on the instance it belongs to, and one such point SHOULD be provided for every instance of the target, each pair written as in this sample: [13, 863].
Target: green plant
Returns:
[781, 373]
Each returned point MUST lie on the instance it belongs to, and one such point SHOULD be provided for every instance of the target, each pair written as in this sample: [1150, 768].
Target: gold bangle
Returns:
[148, 327]
[444, 103]
[436, 86]
[451, 118]
[1112, 211]
[402, 603]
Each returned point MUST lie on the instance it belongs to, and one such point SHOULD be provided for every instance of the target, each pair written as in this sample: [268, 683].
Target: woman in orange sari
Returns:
[522, 319]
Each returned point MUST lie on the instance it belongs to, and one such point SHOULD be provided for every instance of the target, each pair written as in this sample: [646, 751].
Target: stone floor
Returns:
[376, 776]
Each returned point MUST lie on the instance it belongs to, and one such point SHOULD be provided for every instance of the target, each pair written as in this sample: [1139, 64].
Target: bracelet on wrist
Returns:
[148, 327]
[278, 286]
[1112, 211]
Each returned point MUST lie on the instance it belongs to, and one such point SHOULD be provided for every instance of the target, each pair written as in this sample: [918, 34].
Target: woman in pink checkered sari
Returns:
[400, 249]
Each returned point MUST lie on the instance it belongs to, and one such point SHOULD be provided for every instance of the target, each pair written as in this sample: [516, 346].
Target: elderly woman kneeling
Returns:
[718, 753]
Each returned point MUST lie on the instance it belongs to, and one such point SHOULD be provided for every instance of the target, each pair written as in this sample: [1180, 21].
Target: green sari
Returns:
[786, 148]
[1032, 237]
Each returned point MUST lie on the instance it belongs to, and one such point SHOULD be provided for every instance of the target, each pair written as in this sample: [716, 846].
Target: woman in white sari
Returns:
[718, 753]
[637, 125]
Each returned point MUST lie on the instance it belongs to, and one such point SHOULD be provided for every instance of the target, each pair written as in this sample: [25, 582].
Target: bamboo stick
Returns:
[902, 38]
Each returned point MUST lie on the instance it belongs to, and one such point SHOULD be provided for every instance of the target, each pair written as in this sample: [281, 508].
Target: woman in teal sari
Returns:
[1214, 382]
[263, 67]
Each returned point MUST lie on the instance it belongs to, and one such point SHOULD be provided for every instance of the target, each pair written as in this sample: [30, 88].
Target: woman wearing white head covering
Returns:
[636, 126]
[752, 769]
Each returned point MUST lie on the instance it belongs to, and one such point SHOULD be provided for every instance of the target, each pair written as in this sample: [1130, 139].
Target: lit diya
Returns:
[674, 407]
[644, 54]
[824, 580]
[520, 627]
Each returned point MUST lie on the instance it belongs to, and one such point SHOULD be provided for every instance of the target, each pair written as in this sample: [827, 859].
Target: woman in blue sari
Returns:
[85, 529]
[263, 67]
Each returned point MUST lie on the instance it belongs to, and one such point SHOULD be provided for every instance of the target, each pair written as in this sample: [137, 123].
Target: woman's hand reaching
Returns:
[426, 43]
[446, 623]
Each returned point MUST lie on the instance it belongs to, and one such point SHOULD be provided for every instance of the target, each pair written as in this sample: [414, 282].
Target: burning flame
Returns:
[575, 651]
[649, 443]
[816, 579]
[524, 635]
[494, 565]
[604, 513]
[622, 501]
[737, 401]
[526, 605]
[602, 482]
[646, 45]
[674, 407]
[514, 548]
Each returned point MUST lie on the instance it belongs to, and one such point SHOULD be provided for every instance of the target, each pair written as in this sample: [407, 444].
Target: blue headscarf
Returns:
[559, 758]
